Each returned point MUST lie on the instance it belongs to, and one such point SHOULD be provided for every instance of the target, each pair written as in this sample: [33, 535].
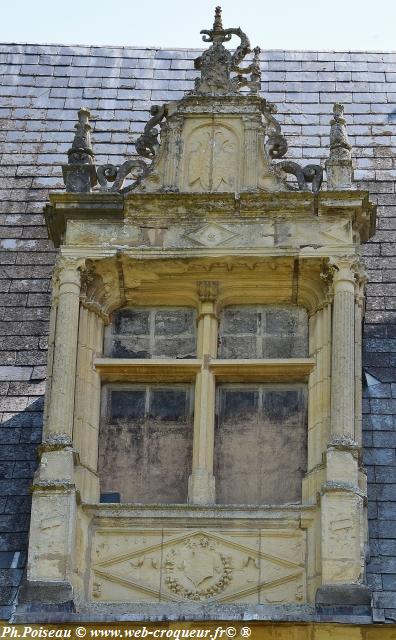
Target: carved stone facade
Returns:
[212, 222]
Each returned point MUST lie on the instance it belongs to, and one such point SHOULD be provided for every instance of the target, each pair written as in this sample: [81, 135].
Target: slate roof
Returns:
[41, 87]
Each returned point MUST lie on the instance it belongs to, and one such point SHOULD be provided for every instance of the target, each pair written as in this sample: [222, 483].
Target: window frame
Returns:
[206, 372]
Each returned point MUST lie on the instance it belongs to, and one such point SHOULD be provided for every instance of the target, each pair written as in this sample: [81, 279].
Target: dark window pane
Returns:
[131, 321]
[260, 446]
[173, 322]
[239, 321]
[238, 347]
[276, 347]
[174, 348]
[237, 402]
[168, 404]
[138, 347]
[283, 406]
[282, 321]
[263, 331]
[127, 404]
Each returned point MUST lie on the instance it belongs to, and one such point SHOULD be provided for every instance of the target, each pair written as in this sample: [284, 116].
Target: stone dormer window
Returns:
[204, 363]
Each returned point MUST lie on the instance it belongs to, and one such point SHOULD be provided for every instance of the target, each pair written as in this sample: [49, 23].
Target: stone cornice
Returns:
[164, 207]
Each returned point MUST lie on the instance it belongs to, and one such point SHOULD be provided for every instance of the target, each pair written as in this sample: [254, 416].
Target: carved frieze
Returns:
[199, 565]
[226, 234]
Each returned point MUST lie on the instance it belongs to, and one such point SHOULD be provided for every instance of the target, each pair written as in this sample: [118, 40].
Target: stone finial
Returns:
[217, 63]
[340, 148]
[79, 174]
[339, 168]
[81, 149]
[218, 23]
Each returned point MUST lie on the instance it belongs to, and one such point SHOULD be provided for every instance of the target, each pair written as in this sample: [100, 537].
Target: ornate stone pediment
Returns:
[216, 139]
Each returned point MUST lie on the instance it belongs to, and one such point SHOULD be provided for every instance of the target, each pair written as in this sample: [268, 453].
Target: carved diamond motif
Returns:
[211, 235]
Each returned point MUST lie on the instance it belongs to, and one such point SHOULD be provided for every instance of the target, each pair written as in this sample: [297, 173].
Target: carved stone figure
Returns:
[310, 174]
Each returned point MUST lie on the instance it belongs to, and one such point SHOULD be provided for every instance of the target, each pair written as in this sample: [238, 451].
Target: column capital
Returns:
[208, 290]
[94, 294]
[68, 270]
[342, 272]
[344, 267]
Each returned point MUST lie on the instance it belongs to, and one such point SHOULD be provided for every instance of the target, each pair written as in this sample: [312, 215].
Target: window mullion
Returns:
[201, 488]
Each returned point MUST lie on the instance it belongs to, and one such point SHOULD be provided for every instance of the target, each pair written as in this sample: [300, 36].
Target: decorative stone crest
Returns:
[198, 570]
[215, 139]
[217, 63]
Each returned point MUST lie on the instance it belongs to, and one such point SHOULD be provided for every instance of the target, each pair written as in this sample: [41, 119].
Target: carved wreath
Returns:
[174, 584]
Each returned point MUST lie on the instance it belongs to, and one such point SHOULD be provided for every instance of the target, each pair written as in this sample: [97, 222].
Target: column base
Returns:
[201, 488]
[343, 594]
[35, 597]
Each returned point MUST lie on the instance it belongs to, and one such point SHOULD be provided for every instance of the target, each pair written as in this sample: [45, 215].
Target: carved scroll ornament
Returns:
[310, 174]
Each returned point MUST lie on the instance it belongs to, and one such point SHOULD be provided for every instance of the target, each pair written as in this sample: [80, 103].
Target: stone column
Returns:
[201, 485]
[343, 350]
[173, 156]
[51, 544]
[342, 501]
[359, 313]
[51, 341]
[61, 408]
[87, 404]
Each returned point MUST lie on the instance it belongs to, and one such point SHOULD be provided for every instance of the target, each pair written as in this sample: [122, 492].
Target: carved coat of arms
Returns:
[197, 570]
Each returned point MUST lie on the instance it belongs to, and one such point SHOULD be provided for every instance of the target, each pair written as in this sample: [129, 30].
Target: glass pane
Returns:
[131, 321]
[260, 444]
[239, 320]
[263, 331]
[152, 333]
[126, 347]
[236, 402]
[173, 322]
[178, 348]
[127, 404]
[238, 347]
[168, 404]
[145, 444]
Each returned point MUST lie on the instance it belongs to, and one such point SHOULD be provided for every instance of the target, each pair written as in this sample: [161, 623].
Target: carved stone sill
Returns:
[138, 370]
